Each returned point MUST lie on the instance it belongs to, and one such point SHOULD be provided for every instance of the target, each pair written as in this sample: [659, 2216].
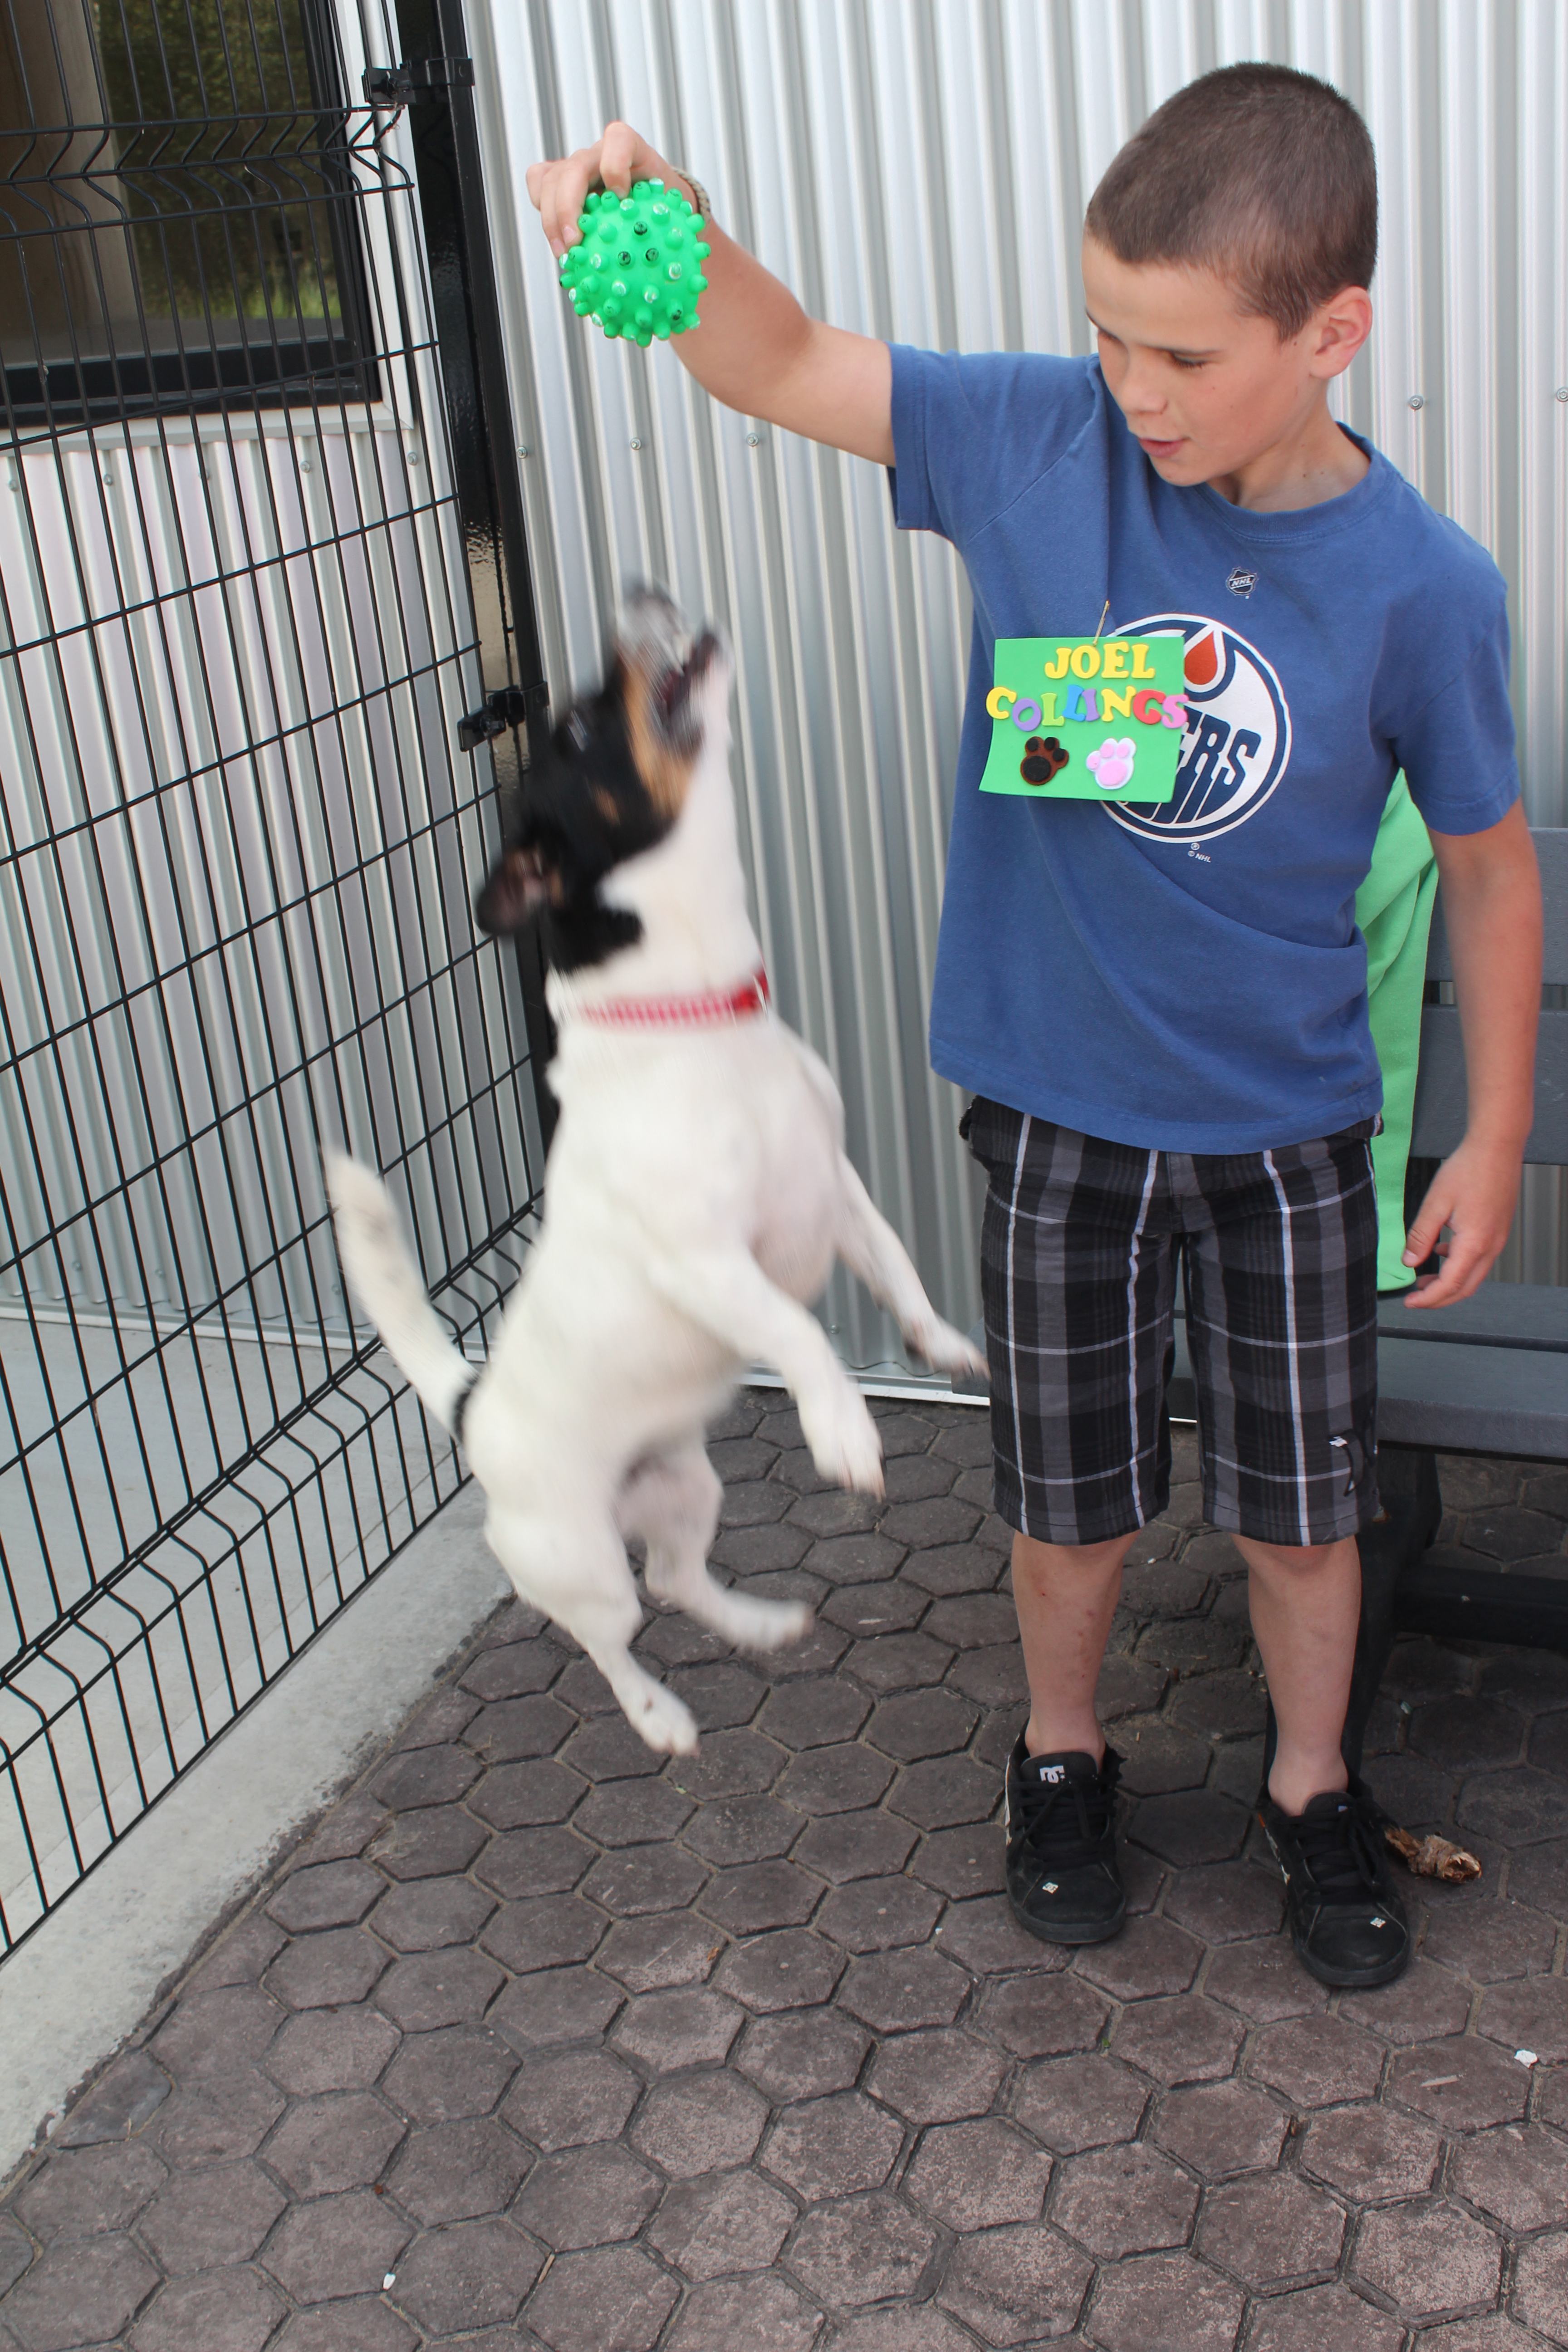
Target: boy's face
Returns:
[1207, 390]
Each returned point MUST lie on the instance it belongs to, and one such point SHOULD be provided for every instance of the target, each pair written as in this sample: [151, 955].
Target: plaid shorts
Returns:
[1278, 1256]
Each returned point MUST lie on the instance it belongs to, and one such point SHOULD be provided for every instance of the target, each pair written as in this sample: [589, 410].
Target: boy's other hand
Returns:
[618, 157]
[1466, 1218]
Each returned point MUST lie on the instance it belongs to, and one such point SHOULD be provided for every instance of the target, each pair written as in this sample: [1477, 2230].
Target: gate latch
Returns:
[387, 87]
[508, 706]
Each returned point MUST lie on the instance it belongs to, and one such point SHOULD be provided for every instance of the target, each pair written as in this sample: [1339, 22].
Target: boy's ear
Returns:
[1340, 328]
[516, 888]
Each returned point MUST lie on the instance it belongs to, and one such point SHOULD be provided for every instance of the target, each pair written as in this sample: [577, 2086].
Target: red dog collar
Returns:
[706, 1010]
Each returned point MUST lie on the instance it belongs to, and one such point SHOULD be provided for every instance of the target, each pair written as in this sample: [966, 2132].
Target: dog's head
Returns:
[610, 785]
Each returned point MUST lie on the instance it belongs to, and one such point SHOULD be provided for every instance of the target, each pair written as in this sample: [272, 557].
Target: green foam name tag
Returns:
[1085, 718]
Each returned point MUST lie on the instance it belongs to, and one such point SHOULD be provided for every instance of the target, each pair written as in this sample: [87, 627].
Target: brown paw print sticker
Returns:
[1042, 759]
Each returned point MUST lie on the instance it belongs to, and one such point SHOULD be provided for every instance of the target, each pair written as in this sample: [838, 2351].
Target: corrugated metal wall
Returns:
[918, 169]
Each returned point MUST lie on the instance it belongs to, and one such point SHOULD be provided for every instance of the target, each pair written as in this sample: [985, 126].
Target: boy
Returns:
[1162, 1012]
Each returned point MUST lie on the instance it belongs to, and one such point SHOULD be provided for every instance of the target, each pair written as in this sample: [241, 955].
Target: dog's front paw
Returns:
[944, 1349]
[844, 1442]
[666, 1722]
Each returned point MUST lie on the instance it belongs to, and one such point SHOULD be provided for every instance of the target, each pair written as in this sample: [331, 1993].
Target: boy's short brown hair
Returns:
[1260, 173]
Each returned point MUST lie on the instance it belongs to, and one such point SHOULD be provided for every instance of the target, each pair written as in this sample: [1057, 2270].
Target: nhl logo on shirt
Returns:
[1242, 583]
[1236, 744]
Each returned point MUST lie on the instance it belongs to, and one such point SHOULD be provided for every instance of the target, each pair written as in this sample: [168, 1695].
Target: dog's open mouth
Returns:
[672, 694]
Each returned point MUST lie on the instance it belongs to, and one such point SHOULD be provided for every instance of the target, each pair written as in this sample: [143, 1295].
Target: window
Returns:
[177, 224]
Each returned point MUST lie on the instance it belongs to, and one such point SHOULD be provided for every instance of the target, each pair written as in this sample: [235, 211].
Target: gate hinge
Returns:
[508, 706]
[387, 87]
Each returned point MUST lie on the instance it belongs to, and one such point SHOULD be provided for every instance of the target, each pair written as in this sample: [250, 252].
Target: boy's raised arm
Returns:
[756, 350]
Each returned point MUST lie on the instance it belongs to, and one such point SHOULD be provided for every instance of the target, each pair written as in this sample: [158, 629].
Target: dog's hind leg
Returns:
[871, 1249]
[576, 1570]
[672, 1501]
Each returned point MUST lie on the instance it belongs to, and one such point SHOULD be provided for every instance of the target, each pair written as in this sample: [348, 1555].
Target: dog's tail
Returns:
[385, 1279]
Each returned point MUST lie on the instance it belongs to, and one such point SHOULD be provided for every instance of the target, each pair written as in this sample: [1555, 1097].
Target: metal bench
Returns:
[1487, 1376]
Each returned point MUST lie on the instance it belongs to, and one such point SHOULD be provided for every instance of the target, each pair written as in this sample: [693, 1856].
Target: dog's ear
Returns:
[515, 890]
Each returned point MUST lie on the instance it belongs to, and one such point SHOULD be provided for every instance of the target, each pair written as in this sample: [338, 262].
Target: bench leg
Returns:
[1411, 1507]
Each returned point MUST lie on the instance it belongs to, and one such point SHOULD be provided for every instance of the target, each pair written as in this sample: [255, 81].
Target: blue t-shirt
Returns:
[1189, 977]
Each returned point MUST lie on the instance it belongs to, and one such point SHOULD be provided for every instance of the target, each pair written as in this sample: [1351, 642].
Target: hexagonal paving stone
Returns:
[590, 2197]
[431, 1844]
[1540, 2286]
[332, 1894]
[650, 1955]
[426, 1914]
[1489, 1941]
[511, 1671]
[983, 1937]
[1518, 2175]
[450, 1986]
[611, 2300]
[534, 1862]
[976, 2175]
[728, 1764]
[840, 1779]
[77, 2192]
[1188, 2039]
[561, 2005]
[336, 2246]
[425, 1776]
[945, 1792]
[903, 1988]
[1371, 2153]
[1042, 2017]
[81, 2291]
[856, 1845]
[1225, 1902]
[1014, 2285]
[874, 1915]
[570, 2100]
[752, 2311]
[725, 2223]
[1271, 2232]
[1073, 2104]
[960, 1862]
[438, 2078]
[760, 1896]
[211, 2310]
[816, 1711]
[801, 2054]
[1165, 2300]
[865, 2251]
[1264, 1981]
[514, 1728]
[343, 2140]
[1317, 2062]
[1531, 2015]
[1424, 2002]
[473, 2274]
[1221, 2128]
[1149, 1958]
[790, 1969]
[833, 2146]
[1429, 2261]
[217, 2120]
[458, 2172]
[1463, 2085]
[322, 1971]
[1120, 2201]
[703, 2123]
[922, 1724]
[1330, 2319]
[690, 2027]
[204, 2219]
[210, 2032]
[551, 1932]
[128, 2090]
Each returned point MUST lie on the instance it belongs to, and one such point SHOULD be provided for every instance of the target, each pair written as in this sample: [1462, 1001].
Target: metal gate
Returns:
[258, 573]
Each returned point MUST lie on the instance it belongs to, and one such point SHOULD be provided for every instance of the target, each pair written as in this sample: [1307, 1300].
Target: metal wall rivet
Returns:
[523, 450]
[1416, 400]
[109, 481]
[753, 440]
[1561, 393]
[306, 466]
[636, 444]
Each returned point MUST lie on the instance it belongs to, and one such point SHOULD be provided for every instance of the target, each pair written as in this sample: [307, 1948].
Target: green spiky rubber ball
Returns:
[638, 269]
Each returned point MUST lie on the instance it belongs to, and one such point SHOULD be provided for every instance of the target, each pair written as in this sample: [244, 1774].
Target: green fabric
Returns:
[1394, 909]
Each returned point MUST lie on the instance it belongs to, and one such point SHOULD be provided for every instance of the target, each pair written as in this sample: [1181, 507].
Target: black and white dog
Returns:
[696, 1190]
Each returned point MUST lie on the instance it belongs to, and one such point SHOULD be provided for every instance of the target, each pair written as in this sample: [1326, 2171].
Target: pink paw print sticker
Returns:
[1112, 764]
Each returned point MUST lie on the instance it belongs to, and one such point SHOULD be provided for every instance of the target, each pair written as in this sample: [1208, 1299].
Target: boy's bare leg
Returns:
[1066, 1596]
[1306, 1608]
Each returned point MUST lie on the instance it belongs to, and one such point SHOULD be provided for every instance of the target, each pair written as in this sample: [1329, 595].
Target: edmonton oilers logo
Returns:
[1236, 743]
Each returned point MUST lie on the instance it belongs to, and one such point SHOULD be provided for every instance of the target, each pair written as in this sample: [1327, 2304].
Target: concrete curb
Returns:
[88, 1976]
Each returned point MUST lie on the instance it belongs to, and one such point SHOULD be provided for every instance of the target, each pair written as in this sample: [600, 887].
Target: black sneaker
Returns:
[1062, 1879]
[1347, 1923]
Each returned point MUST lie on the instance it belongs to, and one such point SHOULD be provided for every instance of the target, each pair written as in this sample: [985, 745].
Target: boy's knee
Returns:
[1290, 1560]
